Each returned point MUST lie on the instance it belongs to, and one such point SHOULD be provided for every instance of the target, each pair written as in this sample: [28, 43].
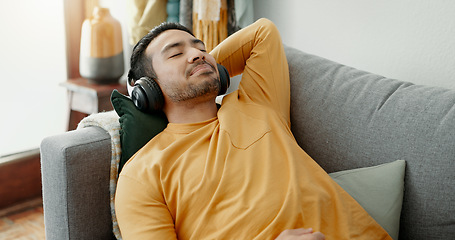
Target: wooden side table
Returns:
[86, 97]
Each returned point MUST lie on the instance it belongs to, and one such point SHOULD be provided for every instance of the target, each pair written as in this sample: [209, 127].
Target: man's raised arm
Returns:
[258, 53]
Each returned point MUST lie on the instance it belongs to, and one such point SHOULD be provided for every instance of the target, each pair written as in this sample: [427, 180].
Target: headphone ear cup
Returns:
[139, 98]
[147, 95]
[225, 80]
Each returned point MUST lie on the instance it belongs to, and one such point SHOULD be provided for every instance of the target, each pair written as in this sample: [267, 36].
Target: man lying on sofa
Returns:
[234, 172]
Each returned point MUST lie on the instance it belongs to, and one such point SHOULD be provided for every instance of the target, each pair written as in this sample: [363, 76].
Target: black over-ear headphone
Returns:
[148, 97]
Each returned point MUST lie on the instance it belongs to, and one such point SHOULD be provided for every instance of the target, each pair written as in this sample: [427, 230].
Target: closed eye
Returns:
[175, 55]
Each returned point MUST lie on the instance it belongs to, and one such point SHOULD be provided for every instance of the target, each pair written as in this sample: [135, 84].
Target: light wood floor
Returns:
[24, 222]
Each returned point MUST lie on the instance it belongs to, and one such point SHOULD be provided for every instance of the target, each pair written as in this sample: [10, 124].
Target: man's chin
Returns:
[208, 86]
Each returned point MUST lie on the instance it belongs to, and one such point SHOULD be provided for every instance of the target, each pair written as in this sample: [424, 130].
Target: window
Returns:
[40, 50]
[32, 64]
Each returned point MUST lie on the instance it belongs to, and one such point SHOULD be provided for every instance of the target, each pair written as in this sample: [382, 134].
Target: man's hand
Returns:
[300, 234]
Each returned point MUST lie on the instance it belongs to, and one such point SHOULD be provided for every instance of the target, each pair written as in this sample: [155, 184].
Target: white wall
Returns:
[410, 40]
[32, 64]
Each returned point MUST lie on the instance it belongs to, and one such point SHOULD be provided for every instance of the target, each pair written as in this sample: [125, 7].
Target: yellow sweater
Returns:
[240, 175]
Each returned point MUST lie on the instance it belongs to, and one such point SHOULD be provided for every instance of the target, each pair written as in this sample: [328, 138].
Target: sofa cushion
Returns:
[347, 118]
[137, 128]
[379, 190]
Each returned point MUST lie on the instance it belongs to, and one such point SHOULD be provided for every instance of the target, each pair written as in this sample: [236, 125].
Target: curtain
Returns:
[211, 20]
[143, 15]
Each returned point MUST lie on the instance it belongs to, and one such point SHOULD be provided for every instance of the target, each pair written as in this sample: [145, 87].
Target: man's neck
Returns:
[191, 113]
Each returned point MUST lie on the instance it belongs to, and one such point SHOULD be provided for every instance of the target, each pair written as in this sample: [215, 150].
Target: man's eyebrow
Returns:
[197, 41]
[170, 46]
[178, 44]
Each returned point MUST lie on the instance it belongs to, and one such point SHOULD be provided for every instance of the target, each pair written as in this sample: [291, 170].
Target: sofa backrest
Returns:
[346, 118]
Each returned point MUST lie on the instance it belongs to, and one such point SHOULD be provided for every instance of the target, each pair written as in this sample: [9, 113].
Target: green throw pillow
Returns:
[137, 128]
[379, 190]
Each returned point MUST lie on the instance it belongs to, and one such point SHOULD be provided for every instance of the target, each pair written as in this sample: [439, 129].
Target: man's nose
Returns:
[195, 55]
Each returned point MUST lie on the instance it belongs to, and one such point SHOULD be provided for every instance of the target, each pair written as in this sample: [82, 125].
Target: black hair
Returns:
[140, 63]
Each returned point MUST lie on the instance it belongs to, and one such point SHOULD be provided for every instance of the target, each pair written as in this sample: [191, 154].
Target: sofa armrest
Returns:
[75, 176]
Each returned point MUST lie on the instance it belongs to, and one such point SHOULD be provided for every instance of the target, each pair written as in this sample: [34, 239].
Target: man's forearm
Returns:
[257, 52]
[234, 51]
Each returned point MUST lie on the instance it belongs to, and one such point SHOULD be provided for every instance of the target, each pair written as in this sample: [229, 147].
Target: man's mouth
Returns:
[201, 67]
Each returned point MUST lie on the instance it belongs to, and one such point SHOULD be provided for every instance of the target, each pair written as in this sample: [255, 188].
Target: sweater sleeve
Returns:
[141, 212]
[257, 52]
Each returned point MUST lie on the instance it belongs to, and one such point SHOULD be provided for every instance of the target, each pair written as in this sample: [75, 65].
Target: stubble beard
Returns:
[209, 87]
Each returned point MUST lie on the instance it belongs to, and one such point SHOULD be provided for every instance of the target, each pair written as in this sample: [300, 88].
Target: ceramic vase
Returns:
[101, 53]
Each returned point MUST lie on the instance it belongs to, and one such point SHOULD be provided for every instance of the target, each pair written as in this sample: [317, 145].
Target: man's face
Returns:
[185, 71]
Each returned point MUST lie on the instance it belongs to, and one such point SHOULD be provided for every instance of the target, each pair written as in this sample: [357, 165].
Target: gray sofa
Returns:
[343, 117]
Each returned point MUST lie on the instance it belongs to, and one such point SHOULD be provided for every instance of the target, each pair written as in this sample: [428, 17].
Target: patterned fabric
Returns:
[109, 122]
